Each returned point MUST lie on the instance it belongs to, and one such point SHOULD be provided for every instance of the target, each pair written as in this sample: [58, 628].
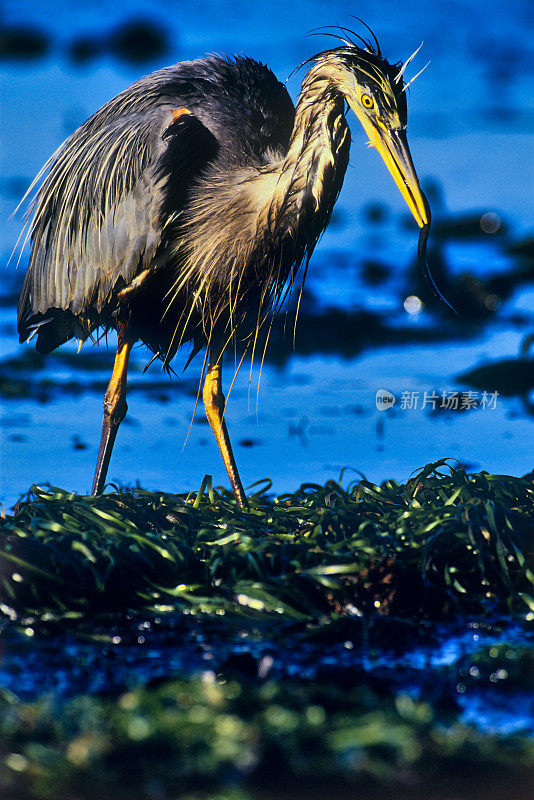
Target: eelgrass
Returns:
[326, 557]
[445, 541]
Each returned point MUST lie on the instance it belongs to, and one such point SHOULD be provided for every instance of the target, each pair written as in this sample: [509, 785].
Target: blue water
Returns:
[470, 123]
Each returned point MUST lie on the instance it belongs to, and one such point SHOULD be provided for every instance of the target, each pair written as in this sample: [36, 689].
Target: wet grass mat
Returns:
[445, 540]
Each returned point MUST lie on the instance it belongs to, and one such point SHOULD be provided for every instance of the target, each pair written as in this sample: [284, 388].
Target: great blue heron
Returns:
[182, 210]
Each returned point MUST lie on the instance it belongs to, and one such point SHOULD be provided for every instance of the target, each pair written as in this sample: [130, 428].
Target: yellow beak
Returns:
[393, 147]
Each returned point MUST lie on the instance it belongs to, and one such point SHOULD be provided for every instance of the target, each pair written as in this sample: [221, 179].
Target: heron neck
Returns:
[319, 110]
[317, 157]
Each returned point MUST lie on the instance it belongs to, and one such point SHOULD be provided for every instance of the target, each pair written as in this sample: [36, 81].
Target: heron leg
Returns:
[213, 397]
[115, 408]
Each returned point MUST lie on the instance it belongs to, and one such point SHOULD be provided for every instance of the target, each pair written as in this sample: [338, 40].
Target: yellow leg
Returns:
[214, 404]
[115, 408]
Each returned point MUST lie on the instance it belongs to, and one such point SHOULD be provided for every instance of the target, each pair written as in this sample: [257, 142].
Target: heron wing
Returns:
[101, 215]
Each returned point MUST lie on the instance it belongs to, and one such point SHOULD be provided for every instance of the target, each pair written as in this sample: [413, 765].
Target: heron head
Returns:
[374, 89]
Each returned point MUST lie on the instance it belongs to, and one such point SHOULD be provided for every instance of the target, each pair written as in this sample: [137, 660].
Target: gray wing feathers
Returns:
[96, 215]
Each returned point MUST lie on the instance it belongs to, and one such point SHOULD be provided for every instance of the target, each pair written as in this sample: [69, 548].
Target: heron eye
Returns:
[367, 101]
